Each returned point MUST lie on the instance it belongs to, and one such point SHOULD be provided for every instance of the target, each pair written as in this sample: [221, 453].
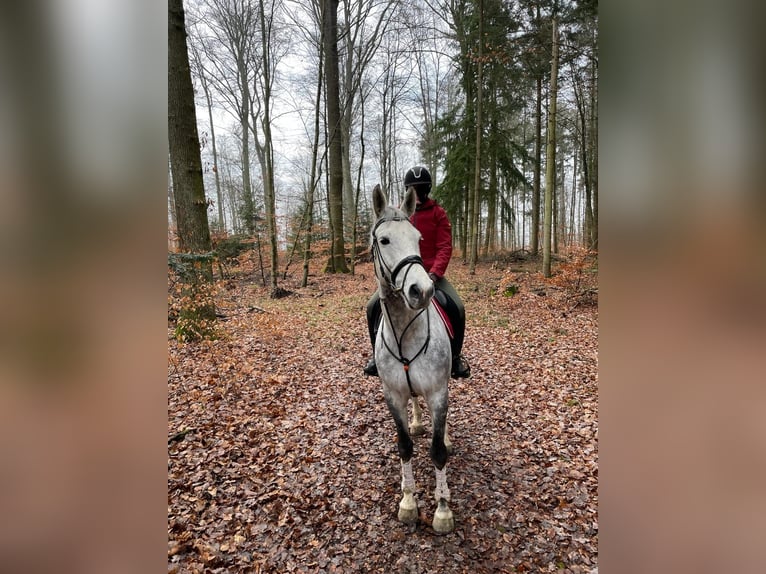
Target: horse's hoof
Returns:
[408, 509]
[407, 515]
[417, 430]
[443, 522]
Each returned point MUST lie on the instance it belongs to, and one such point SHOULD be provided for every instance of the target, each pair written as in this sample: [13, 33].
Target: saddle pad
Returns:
[445, 318]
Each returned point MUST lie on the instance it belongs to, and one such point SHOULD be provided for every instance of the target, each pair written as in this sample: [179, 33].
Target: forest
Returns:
[282, 116]
[301, 107]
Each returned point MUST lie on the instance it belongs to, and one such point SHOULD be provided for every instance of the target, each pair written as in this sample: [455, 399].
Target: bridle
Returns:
[409, 262]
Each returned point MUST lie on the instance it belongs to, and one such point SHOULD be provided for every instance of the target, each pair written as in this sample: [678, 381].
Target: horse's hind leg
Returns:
[443, 520]
[416, 426]
[408, 507]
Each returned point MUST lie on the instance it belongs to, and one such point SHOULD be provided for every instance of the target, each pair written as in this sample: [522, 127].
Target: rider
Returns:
[436, 250]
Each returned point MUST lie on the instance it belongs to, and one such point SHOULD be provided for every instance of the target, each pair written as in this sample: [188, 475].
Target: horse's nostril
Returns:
[415, 291]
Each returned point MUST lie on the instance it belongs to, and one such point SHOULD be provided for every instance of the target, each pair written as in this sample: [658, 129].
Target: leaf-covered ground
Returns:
[282, 454]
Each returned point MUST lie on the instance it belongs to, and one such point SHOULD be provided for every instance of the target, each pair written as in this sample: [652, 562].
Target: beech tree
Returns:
[199, 72]
[183, 141]
[227, 38]
[550, 156]
[186, 169]
[337, 260]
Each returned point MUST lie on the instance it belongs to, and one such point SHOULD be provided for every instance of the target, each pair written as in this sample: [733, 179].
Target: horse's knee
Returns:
[403, 440]
[439, 452]
[405, 446]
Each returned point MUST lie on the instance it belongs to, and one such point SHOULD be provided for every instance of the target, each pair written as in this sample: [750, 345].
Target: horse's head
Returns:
[395, 247]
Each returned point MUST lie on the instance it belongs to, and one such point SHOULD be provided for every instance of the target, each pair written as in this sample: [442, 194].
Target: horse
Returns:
[412, 349]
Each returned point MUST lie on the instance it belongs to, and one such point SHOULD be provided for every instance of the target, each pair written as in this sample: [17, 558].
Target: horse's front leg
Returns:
[408, 507]
[443, 520]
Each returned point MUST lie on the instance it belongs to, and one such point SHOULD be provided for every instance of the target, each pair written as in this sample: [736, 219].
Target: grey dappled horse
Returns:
[412, 348]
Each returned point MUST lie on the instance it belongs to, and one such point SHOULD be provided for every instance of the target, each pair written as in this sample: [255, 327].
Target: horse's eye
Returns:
[385, 240]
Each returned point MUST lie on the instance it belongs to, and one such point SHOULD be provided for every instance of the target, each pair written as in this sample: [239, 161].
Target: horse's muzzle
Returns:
[420, 295]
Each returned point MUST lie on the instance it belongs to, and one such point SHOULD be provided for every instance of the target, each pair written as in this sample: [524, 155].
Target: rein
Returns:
[408, 262]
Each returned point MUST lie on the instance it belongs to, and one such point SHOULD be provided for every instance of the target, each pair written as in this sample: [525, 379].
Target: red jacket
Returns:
[436, 242]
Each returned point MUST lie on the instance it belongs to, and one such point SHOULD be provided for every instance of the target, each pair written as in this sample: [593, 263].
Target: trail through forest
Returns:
[282, 454]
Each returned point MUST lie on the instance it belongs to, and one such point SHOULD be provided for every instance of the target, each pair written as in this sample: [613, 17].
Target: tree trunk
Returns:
[209, 103]
[248, 201]
[490, 234]
[535, 230]
[188, 188]
[550, 155]
[535, 225]
[358, 189]
[269, 190]
[594, 154]
[337, 262]
[346, 120]
[171, 199]
[218, 192]
[572, 204]
[227, 42]
[183, 141]
[313, 179]
[477, 163]
[585, 151]
[559, 209]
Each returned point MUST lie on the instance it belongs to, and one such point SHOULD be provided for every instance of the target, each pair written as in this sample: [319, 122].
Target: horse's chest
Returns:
[417, 360]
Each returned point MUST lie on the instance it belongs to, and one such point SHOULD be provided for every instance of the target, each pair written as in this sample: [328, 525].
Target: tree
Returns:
[266, 150]
[475, 209]
[550, 156]
[359, 49]
[200, 73]
[313, 179]
[183, 141]
[337, 261]
[228, 44]
[535, 231]
[186, 168]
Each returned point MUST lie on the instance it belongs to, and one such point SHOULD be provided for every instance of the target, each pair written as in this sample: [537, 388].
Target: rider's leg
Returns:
[456, 312]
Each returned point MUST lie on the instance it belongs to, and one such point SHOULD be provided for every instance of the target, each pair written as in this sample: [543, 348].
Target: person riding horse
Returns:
[432, 222]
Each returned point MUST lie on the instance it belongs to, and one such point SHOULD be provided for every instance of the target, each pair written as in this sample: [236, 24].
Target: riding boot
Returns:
[371, 369]
[460, 367]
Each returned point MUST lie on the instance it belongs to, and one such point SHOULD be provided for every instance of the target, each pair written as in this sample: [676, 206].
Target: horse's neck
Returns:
[400, 316]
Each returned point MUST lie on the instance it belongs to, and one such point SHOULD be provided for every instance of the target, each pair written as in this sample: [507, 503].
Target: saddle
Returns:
[440, 303]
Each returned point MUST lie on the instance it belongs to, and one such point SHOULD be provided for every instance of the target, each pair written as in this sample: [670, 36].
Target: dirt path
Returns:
[290, 463]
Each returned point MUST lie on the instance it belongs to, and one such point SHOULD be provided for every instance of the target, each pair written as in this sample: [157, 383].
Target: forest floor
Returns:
[282, 454]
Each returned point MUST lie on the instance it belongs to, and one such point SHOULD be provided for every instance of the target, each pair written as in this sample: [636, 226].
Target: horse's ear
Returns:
[379, 201]
[410, 202]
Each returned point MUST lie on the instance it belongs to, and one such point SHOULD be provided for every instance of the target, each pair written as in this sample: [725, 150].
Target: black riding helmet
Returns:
[420, 178]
